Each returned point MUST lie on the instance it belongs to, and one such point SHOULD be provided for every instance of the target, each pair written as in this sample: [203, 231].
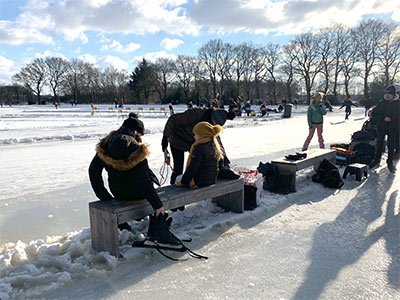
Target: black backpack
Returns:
[273, 181]
[328, 175]
[364, 153]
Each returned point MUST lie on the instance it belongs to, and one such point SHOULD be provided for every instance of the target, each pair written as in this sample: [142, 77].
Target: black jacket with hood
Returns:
[129, 175]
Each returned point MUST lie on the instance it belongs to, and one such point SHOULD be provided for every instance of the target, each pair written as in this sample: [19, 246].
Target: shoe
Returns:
[374, 163]
[124, 226]
[391, 167]
[396, 155]
[159, 231]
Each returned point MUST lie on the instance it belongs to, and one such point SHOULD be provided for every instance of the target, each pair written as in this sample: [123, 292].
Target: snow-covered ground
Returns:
[316, 243]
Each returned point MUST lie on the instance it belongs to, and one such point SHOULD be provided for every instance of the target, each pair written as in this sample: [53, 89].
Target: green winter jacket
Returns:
[315, 114]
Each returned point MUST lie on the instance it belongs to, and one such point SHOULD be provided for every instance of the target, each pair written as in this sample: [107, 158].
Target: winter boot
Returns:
[159, 231]
[391, 167]
[374, 163]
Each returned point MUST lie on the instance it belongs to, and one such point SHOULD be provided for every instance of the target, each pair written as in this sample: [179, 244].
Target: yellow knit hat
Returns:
[205, 129]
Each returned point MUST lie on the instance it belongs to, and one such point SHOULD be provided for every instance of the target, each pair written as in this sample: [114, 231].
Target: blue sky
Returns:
[121, 32]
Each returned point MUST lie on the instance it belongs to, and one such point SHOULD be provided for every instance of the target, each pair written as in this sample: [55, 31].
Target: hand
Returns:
[167, 157]
[160, 210]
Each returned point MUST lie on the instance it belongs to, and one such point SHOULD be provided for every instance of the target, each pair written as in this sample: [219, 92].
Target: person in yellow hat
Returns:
[204, 156]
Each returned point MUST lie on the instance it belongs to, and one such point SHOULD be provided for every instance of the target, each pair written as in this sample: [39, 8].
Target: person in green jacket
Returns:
[315, 118]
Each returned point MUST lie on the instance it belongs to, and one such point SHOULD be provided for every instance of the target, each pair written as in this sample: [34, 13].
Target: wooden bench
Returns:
[105, 216]
[314, 158]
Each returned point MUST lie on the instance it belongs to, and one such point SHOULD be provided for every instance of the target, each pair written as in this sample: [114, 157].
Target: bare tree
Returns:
[272, 61]
[287, 68]
[242, 55]
[367, 35]
[33, 76]
[325, 49]
[164, 76]
[209, 54]
[348, 60]
[307, 60]
[57, 69]
[389, 53]
[75, 77]
[185, 70]
[258, 69]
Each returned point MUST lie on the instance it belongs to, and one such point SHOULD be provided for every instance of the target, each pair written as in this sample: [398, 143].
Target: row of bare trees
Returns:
[76, 79]
[331, 60]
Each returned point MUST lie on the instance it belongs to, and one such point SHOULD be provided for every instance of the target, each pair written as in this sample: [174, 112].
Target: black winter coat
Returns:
[384, 109]
[203, 166]
[178, 129]
[129, 179]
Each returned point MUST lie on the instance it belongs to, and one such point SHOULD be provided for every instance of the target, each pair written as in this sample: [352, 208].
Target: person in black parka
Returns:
[124, 156]
[386, 118]
[178, 133]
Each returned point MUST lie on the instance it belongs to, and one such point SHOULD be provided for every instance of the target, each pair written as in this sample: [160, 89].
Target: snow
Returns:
[316, 243]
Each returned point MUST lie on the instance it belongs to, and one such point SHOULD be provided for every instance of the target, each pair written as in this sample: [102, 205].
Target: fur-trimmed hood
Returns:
[140, 153]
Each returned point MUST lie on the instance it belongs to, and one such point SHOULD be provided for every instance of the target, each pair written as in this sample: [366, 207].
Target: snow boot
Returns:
[374, 163]
[391, 167]
[159, 232]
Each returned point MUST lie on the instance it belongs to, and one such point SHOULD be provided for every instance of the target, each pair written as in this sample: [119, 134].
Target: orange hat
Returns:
[206, 129]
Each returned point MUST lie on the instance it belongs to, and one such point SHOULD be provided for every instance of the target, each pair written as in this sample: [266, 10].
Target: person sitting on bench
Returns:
[124, 156]
[204, 157]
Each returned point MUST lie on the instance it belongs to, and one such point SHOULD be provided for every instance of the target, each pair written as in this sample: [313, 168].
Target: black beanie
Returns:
[391, 89]
[134, 124]
[121, 146]
[219, 116]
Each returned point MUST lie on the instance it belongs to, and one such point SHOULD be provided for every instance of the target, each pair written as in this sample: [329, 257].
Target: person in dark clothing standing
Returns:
[124, 156]
[386, 118]
[204, 157]
[348, 103]
[178, 133]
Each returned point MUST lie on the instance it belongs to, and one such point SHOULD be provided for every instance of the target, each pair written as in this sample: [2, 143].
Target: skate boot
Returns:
[159, 232]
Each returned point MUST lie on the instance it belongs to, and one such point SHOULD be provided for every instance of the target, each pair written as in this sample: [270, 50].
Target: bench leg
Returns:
[231, 202]
[104, 231]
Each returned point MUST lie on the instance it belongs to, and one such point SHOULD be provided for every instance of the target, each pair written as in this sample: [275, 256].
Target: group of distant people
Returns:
[384, 116]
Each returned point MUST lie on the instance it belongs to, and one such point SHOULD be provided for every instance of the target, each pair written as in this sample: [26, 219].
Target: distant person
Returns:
[178, 134]
[190, 104]
[247, 107]
[385, 116]
[348, 104]
[263, 109]
[204, 157]
[124, 156]
[115, 103]
[280, 108]
[315, 119]
[171, 109]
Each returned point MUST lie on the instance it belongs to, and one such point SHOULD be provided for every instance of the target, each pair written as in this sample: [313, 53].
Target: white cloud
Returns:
[170, 44]
[117, 46]
[7, 69]
[89, 58]
[113, 61]
[152, 56]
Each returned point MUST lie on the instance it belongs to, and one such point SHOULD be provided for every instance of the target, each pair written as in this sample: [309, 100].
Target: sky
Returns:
[118, 33]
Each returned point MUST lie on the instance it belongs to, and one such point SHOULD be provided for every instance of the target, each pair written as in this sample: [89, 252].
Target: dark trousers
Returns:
[391, 142]
[178, 157]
